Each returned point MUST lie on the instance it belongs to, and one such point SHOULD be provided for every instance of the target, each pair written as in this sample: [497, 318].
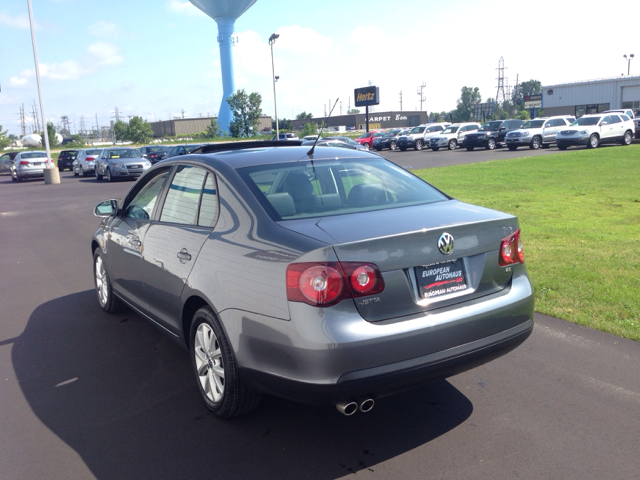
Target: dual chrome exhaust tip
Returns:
[349, 407]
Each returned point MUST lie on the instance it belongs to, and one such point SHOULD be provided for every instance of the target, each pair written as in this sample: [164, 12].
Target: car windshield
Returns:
[451, 129]
[417, 129]
[334, 187]
[94, 151]
[366, 135]
[34, 155]
[348, 140]
[532, 124]
[491, 126]
[586, 121]
[123, 153]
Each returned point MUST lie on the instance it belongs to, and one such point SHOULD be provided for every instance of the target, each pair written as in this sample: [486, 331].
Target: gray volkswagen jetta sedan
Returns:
[326, 277]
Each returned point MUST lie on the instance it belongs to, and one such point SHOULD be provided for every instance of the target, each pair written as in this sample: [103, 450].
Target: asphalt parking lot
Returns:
[90, 395]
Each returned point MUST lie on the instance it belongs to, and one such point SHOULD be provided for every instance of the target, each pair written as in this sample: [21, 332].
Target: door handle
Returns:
[184, 256]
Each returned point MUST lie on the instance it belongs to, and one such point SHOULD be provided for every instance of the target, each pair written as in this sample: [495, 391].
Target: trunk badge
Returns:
[445, 243]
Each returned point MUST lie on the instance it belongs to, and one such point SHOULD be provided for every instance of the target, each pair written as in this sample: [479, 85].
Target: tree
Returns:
[51, 134]
[4, 140]
[523, 115]
[139, 130]
[213, 130]
[468, 98]
[246, 113]
[303, 115]
[353, 111]
[120, 131]
[310, 128]
[530, 87]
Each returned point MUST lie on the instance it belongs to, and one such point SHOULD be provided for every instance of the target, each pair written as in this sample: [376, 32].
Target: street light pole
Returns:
[628, 63]
[272, 40]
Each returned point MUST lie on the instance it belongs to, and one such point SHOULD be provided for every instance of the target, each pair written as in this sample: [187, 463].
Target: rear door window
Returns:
[183, 196]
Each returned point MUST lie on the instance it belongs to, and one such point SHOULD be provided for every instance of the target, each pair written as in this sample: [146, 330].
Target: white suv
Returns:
[592, 130]
[452, 136]
[536, 133]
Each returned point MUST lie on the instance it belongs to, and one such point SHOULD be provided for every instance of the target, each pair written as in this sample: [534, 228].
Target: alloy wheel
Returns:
[209, 364]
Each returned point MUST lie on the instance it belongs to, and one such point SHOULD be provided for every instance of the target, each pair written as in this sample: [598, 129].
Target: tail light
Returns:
[511, 250]
[24, 162]
[90, 159]
[324, 284]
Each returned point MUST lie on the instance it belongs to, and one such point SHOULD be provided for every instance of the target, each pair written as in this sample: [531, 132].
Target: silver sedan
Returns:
[117, 163]
[85, 164]
[27, 165]
[325, 277]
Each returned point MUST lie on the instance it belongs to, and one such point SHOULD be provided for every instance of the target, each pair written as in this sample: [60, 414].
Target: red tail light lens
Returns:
[511, 250]
[24, 162]
[325, 284]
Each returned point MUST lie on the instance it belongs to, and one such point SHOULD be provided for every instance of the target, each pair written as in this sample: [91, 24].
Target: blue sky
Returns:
[155, 58]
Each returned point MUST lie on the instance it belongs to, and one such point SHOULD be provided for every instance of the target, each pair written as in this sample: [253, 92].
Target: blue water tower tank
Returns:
[225, 13]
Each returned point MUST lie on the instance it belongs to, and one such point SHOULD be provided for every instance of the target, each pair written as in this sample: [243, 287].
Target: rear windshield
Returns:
[491, 126]
[94, 152]
[34, 155]
[335, 187]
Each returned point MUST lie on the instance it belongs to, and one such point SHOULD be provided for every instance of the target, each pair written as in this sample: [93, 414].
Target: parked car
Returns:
[120, 163]
[154, 153]
[536, 133]
[183, 149]
[6, 160]
[593, 130]
[336, 279]
[366, 139]
[625, 111]
[311, 138]
[30, 164]
[453, 136]
[326, 142]
[491, 134]
[66, 159]
[419, 136]
[85, 164]
[286, 136]
[348, 140]
[389, 140]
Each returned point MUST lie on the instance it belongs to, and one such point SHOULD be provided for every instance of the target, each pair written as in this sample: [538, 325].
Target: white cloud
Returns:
[302, 40]
[21, 21]
[104, 29]
[183, 8]
[98, 56]
[364, 35]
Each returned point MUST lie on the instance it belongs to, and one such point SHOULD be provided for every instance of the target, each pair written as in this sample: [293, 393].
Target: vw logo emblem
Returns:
[445, 243]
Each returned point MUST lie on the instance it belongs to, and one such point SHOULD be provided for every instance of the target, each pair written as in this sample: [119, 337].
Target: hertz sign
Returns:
[366, 96]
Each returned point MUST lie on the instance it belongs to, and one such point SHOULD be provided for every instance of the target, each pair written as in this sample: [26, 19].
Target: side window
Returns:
[605, 120]
[209, 203]
[615, 119]
[183, 197]
[142, 204]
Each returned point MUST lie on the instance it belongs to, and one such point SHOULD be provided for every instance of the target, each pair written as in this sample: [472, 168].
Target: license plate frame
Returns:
[442, 278]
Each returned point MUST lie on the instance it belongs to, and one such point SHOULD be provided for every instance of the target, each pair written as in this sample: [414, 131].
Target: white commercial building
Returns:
[592, 96]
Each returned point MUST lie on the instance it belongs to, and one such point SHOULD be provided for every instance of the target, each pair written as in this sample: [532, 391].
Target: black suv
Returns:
[66, 159]
[491, 134]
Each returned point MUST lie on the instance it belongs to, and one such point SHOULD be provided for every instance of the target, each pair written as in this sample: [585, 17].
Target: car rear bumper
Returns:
[325, 357]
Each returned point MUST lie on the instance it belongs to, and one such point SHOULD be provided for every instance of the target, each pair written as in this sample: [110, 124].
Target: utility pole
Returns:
[23, 126]
[182, 111]
[419, 92]
[500, 91]
[97, 127]
[36, 121]
[82, 127]
[400, 100]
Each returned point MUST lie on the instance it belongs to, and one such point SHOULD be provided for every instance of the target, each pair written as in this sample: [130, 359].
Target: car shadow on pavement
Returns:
[122, 395]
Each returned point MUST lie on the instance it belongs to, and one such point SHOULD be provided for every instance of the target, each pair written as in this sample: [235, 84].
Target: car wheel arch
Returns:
[194, 303]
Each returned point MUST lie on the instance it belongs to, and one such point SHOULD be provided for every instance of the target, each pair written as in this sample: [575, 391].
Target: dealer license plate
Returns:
[441, 278]
[36, 164]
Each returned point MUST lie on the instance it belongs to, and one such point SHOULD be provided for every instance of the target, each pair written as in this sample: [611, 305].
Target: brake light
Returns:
[24, 162]
[324, 284]
[90, 159]
[511, 250]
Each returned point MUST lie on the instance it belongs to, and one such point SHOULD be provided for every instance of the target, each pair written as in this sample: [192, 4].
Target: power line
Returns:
[419, 92]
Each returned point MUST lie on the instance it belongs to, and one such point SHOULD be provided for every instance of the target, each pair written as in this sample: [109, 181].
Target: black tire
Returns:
[594, 141]
[419, 145]
[403, 149]
[562, 147]
[18, 178]
[366, 146]
[104, 291]
[60, 169]
[453, 143]
[379, 149]
[214, 365]
[435, 149]
[109, 177]
[535, 143]
[98, 176]
[513, 148]
[393, 146]
[13, 179]
[491, 144]
[75, 174]
[470, 149]
[626, 139]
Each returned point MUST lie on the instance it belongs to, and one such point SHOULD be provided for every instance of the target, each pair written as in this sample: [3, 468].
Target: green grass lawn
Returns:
[580, 218]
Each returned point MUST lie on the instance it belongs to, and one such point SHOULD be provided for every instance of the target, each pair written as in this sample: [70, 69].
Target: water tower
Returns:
[225, 13]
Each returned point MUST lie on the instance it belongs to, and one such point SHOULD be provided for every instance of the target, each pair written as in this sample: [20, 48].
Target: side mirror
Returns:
[604, 123]
[105, 209]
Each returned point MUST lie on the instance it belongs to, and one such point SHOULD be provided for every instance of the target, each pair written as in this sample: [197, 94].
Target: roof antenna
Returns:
[310, 152]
